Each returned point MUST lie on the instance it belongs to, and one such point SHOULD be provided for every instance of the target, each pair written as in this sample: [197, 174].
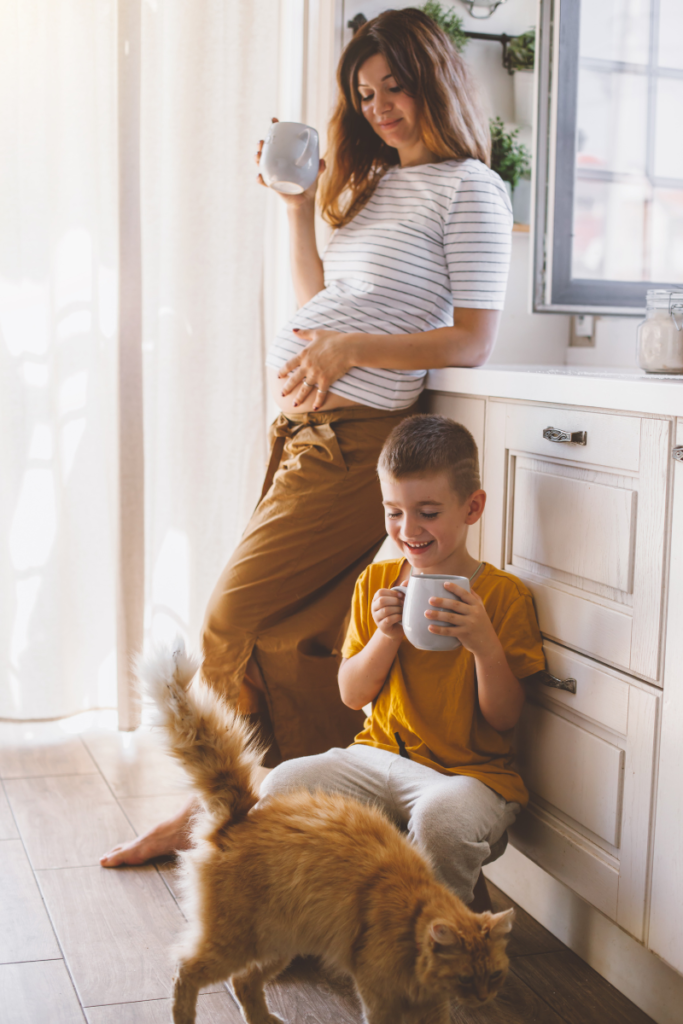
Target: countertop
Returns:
[625, 390]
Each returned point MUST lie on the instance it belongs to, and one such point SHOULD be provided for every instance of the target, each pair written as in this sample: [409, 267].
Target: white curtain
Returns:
[210, 74]
[58, 257]
[209, 87]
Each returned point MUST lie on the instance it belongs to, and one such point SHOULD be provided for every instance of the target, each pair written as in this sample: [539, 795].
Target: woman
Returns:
[414, 277]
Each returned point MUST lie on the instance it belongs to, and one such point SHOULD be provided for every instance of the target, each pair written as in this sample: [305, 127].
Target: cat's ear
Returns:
[441, 934]
[498, 925]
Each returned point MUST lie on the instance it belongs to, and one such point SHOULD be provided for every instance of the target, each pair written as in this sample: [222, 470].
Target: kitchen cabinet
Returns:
[585, 505]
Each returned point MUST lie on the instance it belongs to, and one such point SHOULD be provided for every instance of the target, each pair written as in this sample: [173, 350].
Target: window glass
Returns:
[668, 162]
[611, 122]
[667, 235]
[628, 172]
[610, 220]
[616, 30]
[671, 34]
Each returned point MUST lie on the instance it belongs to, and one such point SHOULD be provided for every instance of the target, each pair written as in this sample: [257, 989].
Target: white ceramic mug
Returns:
[290, 159]
[415, 624]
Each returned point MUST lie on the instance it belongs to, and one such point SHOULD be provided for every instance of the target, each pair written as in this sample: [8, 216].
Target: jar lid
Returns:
[664, 298]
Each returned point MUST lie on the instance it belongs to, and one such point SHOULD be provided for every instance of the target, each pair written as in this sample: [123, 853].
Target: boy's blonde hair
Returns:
[422, 445]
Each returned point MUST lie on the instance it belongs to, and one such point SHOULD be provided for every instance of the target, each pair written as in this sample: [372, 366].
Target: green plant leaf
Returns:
[521, 51]
[509, 158]
[449, 21]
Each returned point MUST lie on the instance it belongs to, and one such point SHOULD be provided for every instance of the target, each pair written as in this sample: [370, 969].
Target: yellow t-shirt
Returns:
[430, 697]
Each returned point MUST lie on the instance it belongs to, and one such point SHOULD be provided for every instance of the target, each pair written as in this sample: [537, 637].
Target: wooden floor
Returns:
[81, 943]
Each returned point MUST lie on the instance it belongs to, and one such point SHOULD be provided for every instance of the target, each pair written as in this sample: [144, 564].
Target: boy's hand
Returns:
[466, 619]
[387, 611]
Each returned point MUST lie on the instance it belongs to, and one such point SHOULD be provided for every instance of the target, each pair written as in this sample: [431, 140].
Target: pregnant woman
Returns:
[414, 277]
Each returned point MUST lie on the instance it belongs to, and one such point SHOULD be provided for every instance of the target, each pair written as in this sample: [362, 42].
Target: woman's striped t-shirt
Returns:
[432, 237]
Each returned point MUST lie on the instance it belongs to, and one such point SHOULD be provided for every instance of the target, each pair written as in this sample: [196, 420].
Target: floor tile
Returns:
[25, 929]
[575, 990]
[305, 993]
[516, 1003]
[116, 927]
[135, 764]
[22, 756]
[168, 869]
[38, 992]
[67, 820]
[217, 1008]
[8, 829]
[528, 936]
[145, 811]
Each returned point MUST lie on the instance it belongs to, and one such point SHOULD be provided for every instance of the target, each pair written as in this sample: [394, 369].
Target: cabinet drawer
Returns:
[587, 759]
[611, 441]
[584, 526]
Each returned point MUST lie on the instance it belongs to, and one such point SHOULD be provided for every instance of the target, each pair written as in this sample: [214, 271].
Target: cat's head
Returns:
[465, 958]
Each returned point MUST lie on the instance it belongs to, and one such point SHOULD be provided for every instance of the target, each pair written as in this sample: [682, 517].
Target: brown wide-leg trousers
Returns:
[285, 594]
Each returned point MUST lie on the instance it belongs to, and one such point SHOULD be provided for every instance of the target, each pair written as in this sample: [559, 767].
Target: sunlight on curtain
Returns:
[58, 260]
[209, 88]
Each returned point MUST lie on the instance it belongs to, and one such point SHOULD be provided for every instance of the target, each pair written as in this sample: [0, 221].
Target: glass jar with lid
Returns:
[660, 335]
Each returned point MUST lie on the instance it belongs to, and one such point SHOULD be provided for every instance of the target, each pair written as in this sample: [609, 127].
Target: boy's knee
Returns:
[299, 773]
[436, 819]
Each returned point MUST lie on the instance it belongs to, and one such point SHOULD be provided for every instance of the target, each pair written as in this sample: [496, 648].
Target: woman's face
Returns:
[390, 111]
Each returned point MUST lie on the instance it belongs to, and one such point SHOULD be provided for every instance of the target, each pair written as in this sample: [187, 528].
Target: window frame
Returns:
[554, 290]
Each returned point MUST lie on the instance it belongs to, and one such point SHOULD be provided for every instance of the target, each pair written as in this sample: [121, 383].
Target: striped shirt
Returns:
[432, 237]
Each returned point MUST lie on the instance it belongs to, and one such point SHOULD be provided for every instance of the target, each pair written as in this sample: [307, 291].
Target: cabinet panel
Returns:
[612, 441]
[601, 697]
[550, 514]
[579, 622]
[564, 856]
[585, 527]
[588, 761]
[573, 770]
[666, 928]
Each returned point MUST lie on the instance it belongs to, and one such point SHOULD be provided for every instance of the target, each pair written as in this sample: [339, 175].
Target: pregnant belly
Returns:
[286, 402]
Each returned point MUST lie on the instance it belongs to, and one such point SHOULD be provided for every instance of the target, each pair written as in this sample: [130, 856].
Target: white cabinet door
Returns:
[471, 412]
[583, 525]
[588, 759]
[666, 913]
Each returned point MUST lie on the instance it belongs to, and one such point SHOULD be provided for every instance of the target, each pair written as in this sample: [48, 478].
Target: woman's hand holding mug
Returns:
[295, 200]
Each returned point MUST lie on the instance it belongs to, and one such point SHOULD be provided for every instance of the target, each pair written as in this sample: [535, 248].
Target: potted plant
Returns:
[449, 22]
[509, 158]
[519, 58]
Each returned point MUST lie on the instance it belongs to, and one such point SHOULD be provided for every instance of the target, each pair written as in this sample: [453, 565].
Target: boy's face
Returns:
[428, 520]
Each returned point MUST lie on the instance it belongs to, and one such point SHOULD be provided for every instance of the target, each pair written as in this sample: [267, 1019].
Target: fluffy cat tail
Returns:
[212, 742]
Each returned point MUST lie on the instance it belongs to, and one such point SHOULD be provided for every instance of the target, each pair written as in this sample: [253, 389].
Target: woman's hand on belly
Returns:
[286, 402]
[307, 377]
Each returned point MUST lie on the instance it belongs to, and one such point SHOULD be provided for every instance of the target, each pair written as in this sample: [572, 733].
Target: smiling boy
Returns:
[436, 749]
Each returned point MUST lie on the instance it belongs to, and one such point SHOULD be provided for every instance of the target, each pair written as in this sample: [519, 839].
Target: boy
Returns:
[435, 752]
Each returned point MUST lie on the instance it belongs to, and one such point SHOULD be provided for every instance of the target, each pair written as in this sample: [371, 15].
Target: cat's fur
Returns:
[306, 874]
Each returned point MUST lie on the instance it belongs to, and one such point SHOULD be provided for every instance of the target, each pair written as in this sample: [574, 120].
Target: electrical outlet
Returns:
[583, 331]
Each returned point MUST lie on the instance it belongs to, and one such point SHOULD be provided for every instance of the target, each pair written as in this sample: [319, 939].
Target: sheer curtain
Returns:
[210, 72]
[58, 258]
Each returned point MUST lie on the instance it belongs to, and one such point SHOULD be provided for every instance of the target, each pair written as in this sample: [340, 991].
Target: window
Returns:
[609, 194]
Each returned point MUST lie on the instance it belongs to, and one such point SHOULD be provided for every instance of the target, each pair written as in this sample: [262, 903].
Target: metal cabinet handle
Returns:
[677, 453]
[565, 436]
[559, 684]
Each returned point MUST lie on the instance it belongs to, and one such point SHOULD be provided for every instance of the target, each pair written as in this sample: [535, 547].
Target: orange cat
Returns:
[304, 874]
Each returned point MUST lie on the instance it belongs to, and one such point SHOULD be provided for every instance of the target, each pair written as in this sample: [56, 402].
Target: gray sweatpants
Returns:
[453, 819]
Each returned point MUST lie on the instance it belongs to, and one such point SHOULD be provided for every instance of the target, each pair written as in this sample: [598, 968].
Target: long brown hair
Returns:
[428, 68]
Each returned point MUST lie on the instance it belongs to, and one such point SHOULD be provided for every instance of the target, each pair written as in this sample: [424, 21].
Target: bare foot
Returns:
[165, 838]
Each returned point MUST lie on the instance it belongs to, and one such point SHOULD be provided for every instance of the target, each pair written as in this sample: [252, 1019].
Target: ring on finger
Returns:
[307, 383]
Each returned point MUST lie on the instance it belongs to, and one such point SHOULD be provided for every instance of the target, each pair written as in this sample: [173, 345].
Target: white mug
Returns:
[415, 624]
[290, 159]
